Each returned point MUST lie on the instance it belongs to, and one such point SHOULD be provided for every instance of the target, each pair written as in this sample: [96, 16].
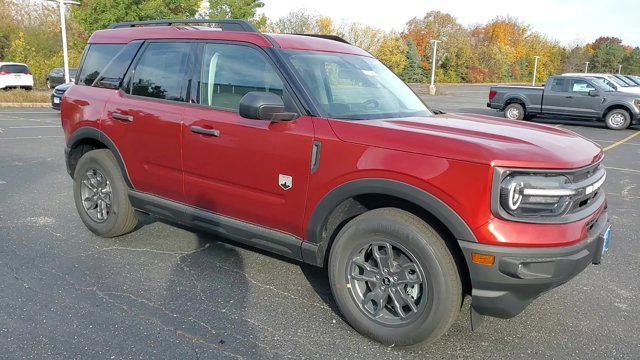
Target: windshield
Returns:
[603, 83]
[617, 81]
[354, 87]
[625, 80]
[635, 79]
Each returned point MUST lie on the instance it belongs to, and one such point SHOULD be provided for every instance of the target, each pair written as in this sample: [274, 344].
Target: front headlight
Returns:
[536, 195]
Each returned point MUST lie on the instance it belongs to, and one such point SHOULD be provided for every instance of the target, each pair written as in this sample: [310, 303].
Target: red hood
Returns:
[475, 138]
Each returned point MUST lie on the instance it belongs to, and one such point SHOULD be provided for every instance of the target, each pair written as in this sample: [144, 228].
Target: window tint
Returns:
[558, 85]
[161, 72]
[114, 72]
[14, 69]
[96, 58]
[581, 86]
[231, 71]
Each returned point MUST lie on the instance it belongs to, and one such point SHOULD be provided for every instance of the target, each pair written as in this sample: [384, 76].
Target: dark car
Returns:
[313, 149]
[581, 97]
[56, 95]
[55, 77]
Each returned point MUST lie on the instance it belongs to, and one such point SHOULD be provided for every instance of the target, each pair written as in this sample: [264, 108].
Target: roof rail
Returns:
[328, 37]
[224, 24]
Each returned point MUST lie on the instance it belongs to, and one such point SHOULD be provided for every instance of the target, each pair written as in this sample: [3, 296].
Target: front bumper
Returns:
[519, 275]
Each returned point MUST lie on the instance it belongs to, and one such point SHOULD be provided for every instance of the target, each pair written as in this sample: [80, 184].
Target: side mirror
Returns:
[262, 105]
[594, 93]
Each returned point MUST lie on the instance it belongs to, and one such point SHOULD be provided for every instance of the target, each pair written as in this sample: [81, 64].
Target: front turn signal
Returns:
[482, 259]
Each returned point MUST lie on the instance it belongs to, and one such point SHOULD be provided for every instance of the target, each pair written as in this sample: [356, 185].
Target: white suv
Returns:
[15, 75]
[610, 80]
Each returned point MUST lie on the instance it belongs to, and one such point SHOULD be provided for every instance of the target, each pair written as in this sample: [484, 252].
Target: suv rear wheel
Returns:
[101, 195]
[393, 278]
[617, 119]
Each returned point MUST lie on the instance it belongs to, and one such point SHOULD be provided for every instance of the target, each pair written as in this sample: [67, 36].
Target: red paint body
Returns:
[450, 156]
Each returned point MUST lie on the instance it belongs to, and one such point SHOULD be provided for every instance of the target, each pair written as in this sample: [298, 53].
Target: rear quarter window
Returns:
[96, 58]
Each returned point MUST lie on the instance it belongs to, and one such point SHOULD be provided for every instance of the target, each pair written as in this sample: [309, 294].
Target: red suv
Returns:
[309, 147]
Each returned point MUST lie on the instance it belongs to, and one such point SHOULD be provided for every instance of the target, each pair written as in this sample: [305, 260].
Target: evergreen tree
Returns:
[413, 71]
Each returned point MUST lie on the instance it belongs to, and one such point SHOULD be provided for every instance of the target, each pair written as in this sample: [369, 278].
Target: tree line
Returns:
[502, 50]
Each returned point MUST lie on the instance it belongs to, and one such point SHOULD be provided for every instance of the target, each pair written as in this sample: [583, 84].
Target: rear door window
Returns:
[14, 69]
[96, 58]
[163, 70]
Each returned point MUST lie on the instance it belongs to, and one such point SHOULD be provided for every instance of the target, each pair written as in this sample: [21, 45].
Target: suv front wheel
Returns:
[101, 195]
[394, 279]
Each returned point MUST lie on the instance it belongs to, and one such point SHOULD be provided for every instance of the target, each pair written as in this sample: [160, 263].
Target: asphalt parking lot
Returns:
[167, 292]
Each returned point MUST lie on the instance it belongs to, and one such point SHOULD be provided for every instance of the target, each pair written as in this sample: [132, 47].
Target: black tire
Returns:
[121, 217]
[617, 119]
[514, 111]
[440, 298]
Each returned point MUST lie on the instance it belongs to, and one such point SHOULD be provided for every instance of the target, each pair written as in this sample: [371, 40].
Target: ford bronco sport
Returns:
[311, 148]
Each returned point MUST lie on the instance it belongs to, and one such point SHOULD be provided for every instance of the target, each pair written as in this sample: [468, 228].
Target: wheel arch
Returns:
[617, 106]
[88, 138]
[510, 99]
[358, 196]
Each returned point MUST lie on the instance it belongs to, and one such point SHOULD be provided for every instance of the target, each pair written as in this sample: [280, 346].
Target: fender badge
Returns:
[285, 181]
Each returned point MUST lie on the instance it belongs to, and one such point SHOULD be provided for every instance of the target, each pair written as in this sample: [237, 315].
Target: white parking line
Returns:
[622, 169]
[32, 137]
[34, 126]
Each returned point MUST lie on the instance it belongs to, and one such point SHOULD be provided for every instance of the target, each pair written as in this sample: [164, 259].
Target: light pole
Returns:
[586, 67]
[432, 87]
[63, 27]
[619, 69]
[535, 69]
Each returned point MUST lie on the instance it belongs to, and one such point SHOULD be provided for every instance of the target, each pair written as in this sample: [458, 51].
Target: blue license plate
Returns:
[606, 238]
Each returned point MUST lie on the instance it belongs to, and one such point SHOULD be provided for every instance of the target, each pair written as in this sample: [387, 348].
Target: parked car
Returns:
[56, 77]
[635, 79]
[610, 81]
[583, 97]
[15, 75]
[312, 149]
[626, 80]
[57, 93]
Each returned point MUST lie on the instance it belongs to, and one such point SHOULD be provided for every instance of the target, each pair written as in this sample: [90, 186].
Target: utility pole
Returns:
[535, 69]
[432, 87]
[63, 27]
[619, 69]
[586, 67]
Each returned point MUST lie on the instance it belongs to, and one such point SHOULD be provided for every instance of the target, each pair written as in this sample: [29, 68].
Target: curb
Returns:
[28, 105]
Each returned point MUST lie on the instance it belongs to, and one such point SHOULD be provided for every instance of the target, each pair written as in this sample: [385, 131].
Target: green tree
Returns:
[413, 71]
[631, 62]
[608, 53]
[393, 53]
[238, 9]
[98, 14]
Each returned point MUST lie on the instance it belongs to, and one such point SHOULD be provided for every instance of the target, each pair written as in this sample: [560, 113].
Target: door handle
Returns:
[569, 97]
[122, 117]
[203, 131]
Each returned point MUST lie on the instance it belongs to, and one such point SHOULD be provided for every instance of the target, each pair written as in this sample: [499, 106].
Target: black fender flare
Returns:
[315, 246]
[519, 98]
[88, 132]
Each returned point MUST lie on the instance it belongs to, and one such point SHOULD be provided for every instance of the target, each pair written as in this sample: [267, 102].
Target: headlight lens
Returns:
[536, 195]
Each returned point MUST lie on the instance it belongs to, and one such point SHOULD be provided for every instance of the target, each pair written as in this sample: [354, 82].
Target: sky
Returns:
[568, 21]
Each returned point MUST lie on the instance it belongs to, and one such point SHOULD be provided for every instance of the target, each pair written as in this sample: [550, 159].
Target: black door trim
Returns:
[277, 242]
